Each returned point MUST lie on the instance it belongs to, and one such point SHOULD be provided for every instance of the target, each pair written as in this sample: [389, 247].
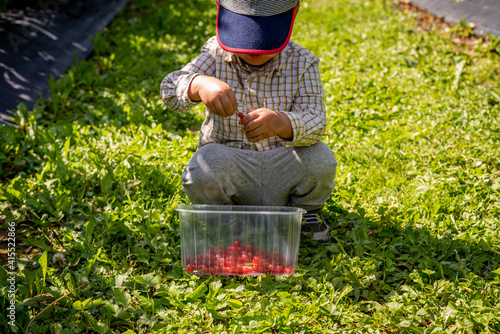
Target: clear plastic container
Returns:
[239, 240]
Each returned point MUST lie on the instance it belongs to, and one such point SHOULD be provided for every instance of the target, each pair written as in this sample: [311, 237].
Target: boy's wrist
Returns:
[193, 90]
[287, 129]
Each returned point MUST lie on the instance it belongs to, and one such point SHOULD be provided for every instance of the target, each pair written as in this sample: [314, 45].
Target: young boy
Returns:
[260, 141]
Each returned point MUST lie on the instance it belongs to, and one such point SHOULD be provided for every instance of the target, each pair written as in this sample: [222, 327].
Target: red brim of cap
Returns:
[256, 35]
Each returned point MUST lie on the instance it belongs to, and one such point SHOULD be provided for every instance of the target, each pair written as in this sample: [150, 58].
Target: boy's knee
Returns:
[203, 180]
[202, 187]
[205, 164]
[320, 160]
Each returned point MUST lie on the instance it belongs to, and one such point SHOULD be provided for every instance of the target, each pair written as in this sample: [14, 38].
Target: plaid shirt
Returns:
[288, 83]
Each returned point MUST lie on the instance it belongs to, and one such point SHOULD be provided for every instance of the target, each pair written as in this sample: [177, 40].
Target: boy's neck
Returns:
[249, 67]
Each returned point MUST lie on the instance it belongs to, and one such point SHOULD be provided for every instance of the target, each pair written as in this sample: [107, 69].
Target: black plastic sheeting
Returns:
[485, 14]
[36, 43]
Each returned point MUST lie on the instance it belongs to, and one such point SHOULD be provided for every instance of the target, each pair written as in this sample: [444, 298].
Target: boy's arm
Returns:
[308, 115]
[174, 89]
[303, 125]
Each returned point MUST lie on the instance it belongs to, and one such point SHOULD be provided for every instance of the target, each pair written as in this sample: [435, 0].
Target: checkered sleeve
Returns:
[308, 115]
[174, 87]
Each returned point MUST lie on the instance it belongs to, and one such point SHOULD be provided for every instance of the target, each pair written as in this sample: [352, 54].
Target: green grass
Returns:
[94, 173]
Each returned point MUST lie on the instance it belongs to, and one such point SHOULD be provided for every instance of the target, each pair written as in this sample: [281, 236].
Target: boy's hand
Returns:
[263, 123]
[216, 94]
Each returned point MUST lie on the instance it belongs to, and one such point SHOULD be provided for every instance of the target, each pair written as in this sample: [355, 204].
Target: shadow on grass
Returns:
[387, 260]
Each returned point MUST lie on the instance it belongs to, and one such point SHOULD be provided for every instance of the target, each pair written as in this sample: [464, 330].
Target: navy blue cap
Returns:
[254, 33]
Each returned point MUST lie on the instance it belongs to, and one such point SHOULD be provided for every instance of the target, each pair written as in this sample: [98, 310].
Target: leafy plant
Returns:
[91, 176]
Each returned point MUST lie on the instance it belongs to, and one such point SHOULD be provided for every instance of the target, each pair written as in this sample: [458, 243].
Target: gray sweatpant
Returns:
[287, 176]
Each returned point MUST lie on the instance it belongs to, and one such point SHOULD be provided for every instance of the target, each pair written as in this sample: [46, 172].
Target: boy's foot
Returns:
[313, 223]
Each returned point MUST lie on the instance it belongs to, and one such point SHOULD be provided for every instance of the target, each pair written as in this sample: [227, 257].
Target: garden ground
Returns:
[413, 116]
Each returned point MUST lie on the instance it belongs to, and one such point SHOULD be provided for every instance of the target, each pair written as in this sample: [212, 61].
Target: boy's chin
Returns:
[256, 60]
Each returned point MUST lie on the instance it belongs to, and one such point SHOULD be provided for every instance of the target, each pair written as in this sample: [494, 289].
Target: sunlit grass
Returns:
[94, 173]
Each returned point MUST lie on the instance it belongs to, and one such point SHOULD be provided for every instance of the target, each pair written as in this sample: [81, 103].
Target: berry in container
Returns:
[239, 240]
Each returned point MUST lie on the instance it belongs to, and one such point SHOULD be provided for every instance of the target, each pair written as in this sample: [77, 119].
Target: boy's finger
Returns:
[227, 105]
[256, 135]
[253, 133]
[252, 116]
[234, 102]
[249, 123]
[218, 109]
[256, 139]
[210, 107]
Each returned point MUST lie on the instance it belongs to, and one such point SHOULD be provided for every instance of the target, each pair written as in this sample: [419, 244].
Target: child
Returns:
[260, 141]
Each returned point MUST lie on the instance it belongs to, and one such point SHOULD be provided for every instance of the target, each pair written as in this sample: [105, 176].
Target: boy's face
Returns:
[256, 60]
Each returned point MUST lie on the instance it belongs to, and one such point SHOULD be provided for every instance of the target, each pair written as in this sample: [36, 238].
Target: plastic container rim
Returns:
[211, 208]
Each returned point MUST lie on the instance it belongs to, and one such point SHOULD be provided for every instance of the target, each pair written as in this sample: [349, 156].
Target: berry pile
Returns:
[238, 260]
